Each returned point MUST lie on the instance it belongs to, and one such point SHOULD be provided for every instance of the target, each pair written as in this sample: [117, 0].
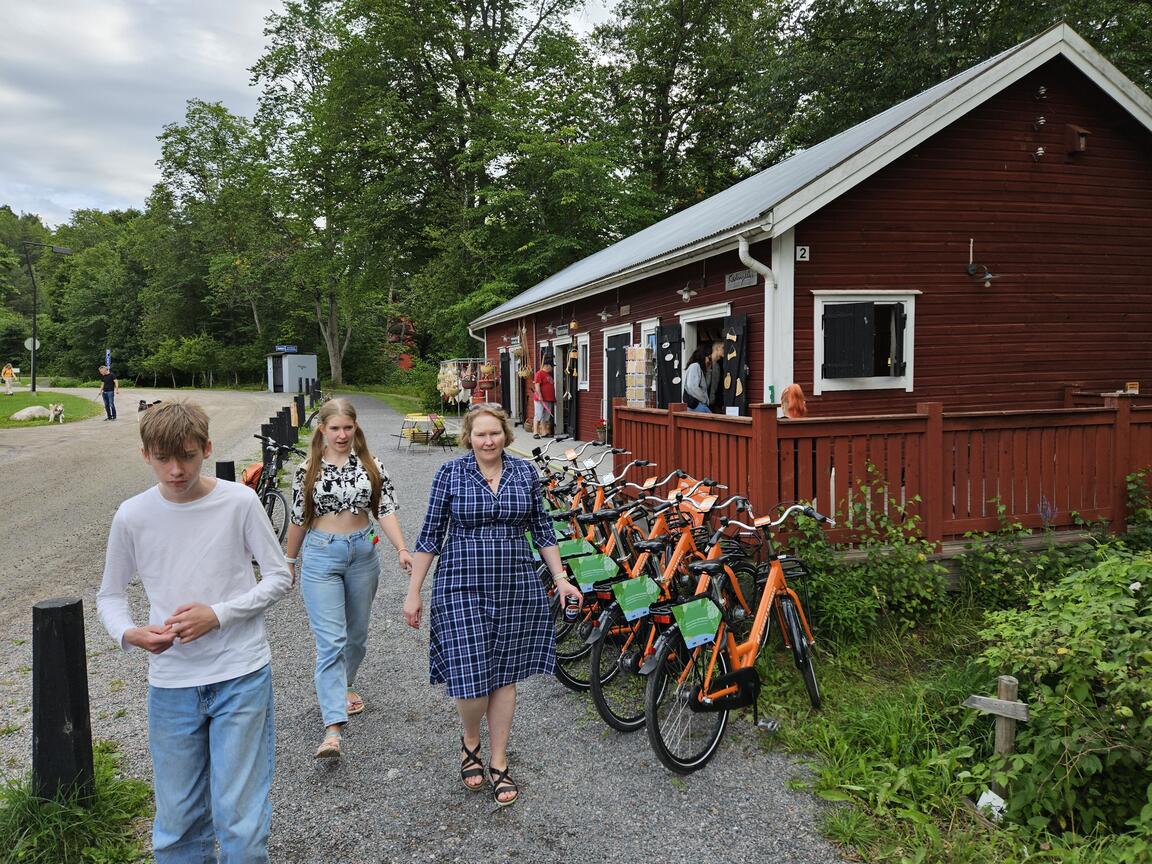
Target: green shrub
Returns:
[33, 831]
[995, 571]
[1082, 651]
[1139, 534]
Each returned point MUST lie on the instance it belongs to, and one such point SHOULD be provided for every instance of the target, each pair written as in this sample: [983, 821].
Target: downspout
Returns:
[764, 270]
[479, 339]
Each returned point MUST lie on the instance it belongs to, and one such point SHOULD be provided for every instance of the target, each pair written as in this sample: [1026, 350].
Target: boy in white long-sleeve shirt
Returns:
[191, 539]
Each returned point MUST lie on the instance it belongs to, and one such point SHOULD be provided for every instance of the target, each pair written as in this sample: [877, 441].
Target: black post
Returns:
[315, 391]
[61, 725]
[293, 435]
[299, 385]
[226, 471]
[282, 427]
[300, 409]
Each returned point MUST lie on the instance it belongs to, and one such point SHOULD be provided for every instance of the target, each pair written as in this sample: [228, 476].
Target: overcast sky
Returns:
[87, 85]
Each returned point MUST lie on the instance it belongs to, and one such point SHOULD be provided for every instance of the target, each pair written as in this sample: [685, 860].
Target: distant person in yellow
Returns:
[9, 378]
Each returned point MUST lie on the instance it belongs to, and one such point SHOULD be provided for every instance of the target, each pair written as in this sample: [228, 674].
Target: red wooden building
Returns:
[984, 244]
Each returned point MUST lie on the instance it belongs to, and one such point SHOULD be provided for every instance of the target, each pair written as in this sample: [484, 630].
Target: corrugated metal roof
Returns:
[741, 204]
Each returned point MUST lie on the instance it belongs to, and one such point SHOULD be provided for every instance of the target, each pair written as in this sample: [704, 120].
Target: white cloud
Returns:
[87, 85]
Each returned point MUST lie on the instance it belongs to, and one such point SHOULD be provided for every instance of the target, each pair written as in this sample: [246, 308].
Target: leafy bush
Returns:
[1082, 650]
[995, 570]
[1139, 534]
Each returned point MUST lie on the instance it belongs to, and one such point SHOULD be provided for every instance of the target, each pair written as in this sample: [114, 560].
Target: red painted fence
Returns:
[1046, 468]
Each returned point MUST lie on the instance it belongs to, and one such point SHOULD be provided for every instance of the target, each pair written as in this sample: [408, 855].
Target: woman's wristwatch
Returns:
[556, 577]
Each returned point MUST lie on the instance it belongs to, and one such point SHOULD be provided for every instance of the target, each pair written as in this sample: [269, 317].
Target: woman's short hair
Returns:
[492, 411]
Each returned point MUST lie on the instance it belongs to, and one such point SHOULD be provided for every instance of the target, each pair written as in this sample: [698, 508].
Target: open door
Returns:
[734, 383]
[669, 375]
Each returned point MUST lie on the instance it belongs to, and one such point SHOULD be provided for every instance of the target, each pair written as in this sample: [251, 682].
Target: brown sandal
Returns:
[330, 747]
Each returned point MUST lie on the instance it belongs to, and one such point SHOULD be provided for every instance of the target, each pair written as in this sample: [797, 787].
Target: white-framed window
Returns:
[648, 330]
[583, 360]
[863, 340]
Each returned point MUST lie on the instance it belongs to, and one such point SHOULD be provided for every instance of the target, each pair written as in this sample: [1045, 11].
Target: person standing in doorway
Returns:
[696, 376]
[109, 387]
[716, 378]
[544, 396]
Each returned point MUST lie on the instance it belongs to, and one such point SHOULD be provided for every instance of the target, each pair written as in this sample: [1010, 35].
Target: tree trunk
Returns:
[328, 317]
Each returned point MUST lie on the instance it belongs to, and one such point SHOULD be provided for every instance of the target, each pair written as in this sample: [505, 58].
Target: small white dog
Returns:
[55, 412]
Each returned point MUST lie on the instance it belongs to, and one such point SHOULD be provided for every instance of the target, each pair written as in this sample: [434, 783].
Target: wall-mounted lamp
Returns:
[974, 270]
[604, 314]
[686, 293]
[1037, 154]
[1041, 93]
[551, 328]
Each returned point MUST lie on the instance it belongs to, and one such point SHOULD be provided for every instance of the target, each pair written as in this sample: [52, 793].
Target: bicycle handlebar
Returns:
[285, 448]
[806, 509]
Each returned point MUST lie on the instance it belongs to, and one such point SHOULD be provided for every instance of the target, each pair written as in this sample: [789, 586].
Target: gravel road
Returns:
[587, 794]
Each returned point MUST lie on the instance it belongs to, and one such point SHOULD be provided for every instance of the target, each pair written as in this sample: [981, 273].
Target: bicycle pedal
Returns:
[771, 725]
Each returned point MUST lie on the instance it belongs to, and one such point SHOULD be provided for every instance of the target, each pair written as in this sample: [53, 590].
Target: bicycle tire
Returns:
[276, 506]
[682, 739]
[572, 653]
[616, 683]
[801, 650]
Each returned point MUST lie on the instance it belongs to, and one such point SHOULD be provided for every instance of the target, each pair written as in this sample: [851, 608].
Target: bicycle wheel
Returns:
[801, 649]
[616, 683]
[572, 652]
[682, 739]
[276, 506]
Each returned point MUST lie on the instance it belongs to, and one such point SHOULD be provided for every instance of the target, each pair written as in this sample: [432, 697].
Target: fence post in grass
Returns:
[301, 412]
[1008, 710]
[61, 725]
[226, 471]
[934, 496]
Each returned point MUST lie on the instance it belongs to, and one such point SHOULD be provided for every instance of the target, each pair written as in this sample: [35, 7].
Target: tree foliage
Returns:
[424, 160]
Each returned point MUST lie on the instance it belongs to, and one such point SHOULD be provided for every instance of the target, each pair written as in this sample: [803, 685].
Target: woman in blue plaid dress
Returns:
[491, 623]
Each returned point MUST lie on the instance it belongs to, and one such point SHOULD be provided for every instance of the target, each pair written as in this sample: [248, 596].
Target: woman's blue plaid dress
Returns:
[490, 618]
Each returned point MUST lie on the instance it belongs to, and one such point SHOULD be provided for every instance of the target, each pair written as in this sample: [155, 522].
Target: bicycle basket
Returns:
[251, 475]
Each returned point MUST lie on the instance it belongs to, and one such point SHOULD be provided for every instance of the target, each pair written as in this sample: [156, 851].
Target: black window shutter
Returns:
[669, 344]
[899, 365]
[848, 338]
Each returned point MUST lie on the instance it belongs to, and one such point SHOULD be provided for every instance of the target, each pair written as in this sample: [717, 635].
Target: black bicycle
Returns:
[268, 486]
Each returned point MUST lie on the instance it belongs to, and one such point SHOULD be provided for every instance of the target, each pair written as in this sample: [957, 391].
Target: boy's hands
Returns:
[191, 621]
[153, 638]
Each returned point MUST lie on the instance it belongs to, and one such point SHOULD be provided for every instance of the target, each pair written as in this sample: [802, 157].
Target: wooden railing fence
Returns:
[1046, 468]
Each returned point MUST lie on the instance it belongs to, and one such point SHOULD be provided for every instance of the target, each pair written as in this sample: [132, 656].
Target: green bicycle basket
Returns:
[590, 569]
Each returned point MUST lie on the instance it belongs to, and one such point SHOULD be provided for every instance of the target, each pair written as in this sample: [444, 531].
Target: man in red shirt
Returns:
[544, 397]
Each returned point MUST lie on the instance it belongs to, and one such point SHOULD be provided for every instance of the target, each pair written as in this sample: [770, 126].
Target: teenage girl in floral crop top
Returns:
[335, 491]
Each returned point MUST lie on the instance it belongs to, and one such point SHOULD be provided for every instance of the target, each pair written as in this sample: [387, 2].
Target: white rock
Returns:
[32, 412]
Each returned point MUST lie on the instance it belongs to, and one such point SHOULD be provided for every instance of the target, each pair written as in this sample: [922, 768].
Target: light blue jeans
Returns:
[338, 578]
[213, 750]
[702, 408]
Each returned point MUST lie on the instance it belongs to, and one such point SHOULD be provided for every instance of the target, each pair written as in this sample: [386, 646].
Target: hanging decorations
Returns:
[448, 381]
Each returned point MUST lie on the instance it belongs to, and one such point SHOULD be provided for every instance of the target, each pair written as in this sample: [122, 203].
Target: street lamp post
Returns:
[59, 250]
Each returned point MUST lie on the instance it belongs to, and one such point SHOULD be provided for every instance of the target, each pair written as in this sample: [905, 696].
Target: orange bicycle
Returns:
[700, 669]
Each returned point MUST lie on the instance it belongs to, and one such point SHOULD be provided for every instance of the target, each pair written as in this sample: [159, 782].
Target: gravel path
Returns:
[587, 794]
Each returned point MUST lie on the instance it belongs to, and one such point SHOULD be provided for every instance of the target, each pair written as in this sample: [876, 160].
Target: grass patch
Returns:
[34, 831]
[892, 747]
[75, 407]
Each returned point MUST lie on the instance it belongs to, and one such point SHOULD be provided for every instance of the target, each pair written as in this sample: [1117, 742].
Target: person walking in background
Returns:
[490, 616]
[544, 398]
[109, 387]
[335, 491]
[191, 540]
[9, 378]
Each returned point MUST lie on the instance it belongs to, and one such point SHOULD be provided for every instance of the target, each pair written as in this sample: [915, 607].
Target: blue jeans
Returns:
[109, 402]
[213, 750]
[338, 578]
[702, 408]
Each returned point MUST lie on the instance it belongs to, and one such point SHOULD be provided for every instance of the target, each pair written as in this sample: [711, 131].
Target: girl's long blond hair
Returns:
[334, 408]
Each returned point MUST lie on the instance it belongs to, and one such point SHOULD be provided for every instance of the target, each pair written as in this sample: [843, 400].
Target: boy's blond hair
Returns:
[165, 427]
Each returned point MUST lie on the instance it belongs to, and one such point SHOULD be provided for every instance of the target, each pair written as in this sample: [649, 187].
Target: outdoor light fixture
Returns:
[551, 328]
[974, 270]
[686, 293]
[604, 314]
[1041, 93]
[34, 342]
[1037, 154]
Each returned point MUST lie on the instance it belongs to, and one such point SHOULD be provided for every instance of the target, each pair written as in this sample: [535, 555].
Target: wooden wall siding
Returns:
[1048, 468]
[1070, 239]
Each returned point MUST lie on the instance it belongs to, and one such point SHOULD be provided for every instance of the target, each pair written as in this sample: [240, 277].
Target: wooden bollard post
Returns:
[61, 725]
[226, 471]
[298, 401]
